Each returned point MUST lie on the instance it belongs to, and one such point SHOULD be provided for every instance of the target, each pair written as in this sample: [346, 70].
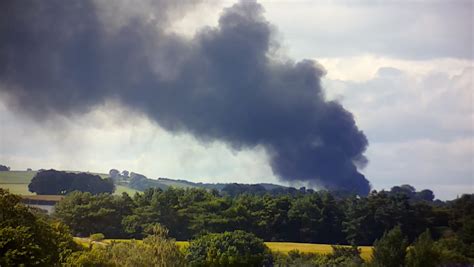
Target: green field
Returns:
[17, 182]
[16, 177]
[284, 247]
[119, 189]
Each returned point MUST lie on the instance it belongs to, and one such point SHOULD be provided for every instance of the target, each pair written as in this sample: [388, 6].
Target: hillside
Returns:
[17, 182]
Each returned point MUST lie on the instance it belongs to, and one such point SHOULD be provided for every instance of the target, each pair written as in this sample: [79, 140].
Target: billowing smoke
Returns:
[225, 83]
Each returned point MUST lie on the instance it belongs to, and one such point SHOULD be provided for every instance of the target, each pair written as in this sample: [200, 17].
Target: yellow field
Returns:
[285, 247]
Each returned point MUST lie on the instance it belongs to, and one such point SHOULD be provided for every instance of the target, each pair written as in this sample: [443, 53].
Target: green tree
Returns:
[236, 248]
[423, 253]
[29, 239]
[155, 250]
[52, 182]
[390, 250]
[86, 214]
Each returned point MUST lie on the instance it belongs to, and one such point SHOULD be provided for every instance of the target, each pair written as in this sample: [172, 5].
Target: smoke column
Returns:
[224, 83]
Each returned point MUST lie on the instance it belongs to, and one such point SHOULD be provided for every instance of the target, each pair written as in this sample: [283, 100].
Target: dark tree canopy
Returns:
[236, 248]
[114, 173]
[27, 239]
[4, 168]
[52, 182]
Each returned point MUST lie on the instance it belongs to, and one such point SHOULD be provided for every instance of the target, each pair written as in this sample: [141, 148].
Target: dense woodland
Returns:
[316, 217]
[229, 231]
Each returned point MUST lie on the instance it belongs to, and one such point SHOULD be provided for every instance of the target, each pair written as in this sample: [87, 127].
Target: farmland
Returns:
[284, 247]
[17, 182]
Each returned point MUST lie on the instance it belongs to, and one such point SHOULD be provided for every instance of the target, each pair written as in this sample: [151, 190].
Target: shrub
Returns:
[155, 250]
[29, 239]
[97, 237]
[423, 252]
[236, 248]
[390, 250]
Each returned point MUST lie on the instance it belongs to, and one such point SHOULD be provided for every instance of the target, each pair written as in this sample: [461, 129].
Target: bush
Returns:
[344, 256]
[423, 252]
[28, 239]
[97, 237]
[297, 258]
[453, 252]
[155, 250]
[236, 248]
[390, 250]
[341, 256]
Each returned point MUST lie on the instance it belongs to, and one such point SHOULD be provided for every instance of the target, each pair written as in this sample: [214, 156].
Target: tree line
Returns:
[31, 238]
[317, 217]
[52, 182]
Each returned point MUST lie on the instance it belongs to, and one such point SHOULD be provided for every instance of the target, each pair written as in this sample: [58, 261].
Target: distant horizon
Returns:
[230, 182]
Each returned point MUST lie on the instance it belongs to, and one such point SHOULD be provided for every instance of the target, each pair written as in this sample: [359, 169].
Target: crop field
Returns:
[17, 182]
[284, 247]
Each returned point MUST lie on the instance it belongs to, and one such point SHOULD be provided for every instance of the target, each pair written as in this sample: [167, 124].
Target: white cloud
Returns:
[402, 29]
[444, 167]
[418, 116]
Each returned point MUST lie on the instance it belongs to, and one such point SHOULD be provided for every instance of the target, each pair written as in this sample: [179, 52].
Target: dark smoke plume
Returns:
[65, 57]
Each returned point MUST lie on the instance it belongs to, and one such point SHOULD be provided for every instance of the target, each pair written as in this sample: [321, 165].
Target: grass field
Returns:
[17, 182]
[18, 189]
[16, 177]
[119, 189]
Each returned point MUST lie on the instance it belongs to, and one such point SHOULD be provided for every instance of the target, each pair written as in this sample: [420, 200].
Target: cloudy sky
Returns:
[403, 68]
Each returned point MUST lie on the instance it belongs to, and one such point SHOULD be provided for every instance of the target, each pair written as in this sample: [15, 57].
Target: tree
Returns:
[423, 252]
[54, 182]
[236, 248]
[426, 195]
[155, 250]
[114, 173]
[29, 239]
[4, 168]
[87, 214]
[390, 250]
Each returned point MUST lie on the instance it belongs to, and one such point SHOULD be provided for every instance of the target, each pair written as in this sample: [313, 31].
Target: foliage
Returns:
[97, 237]
[86, 214]
[155, 250]
[453, 251]
[54, 182]
[4, 168]
[297, 259]
[423, 253]
[236, 248]
[341, 256]
[316, 217]
[390, 250]
[28, 238]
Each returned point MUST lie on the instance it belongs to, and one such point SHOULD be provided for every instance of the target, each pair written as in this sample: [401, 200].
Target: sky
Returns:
[404, 69]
